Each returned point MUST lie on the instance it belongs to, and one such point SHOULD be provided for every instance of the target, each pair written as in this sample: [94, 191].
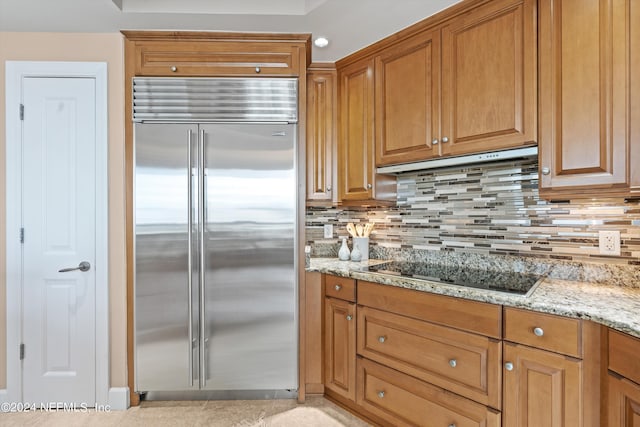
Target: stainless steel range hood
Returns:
[515, 153]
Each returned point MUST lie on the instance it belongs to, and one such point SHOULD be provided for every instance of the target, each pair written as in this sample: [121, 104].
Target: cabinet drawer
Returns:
[220, 58]
[340, 287]
[464, 363]
[472, 316]
[624, 355]
[559, 334]
[405, 401]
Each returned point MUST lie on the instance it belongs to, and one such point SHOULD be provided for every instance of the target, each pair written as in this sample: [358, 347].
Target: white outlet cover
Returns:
[328, 231]
[609, 242]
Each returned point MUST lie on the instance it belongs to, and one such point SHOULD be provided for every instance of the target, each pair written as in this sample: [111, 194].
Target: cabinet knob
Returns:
[382, 338]
[328, 188]
[453, 363]
[349, 317]
[435, 142]
[381, 394]
[538, 332]
[546, 171]
[445, 139]
[508, 366]
[174, 69]
[368, 186]
[258, 70]
[337, 287]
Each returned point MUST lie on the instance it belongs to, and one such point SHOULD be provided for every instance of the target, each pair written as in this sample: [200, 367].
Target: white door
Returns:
[59, 220]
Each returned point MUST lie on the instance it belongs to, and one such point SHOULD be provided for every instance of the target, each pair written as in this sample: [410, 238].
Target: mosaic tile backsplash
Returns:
[479, 210]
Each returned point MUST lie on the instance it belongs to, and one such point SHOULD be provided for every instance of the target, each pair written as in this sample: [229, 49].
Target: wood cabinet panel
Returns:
[467, 364]
[340, 348]
[471, 316]
[407, 97]
[340, 287]
[559, 334]
[623, 403]
[624, 355]
[489, 78]
[406, 401]
[311, 356]
[321, 133]
[203, 58]
[584, 102]
[542, 390]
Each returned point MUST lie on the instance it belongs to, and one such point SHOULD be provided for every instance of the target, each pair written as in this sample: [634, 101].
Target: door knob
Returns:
[83, 266]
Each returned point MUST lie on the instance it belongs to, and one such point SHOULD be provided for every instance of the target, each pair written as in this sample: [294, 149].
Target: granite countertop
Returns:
[614, 306]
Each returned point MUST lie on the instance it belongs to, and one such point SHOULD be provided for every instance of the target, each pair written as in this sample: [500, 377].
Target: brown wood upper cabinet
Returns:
[187, 54]
[356, 160]
[585, 54]
[466, 86]
[408, 100]
[321, 132]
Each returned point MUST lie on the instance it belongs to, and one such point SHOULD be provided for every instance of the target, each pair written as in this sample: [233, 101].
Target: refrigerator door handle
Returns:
[189, 255]
[202, 224]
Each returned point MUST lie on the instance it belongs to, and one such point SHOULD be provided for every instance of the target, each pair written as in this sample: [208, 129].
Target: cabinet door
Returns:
[624, 403]
[407, 82]
[355, 154]
[541, 389]
[489, 78]
[321, 124]
[584, 102]
[340, 348]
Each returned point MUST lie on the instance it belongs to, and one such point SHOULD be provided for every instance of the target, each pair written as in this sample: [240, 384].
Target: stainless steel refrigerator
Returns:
[215, 239]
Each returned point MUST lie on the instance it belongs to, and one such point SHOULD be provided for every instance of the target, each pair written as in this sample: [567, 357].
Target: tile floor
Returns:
[317, 412]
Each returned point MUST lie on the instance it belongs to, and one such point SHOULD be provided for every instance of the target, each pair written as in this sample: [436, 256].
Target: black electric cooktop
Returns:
[502, 281]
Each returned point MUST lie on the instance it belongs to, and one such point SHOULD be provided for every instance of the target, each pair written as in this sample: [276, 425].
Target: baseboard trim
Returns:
[119, 398]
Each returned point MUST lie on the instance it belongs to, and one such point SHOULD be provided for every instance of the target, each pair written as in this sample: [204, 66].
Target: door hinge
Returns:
[22, 235]
[21, 111]
[21, 351]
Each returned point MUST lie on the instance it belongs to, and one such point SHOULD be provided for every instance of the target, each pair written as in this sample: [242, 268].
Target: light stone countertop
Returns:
[613, 306]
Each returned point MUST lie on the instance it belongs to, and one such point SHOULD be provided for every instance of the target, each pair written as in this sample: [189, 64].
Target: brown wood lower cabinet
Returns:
[340, 348]
[624, 402]
[541, 389]
[402, 400]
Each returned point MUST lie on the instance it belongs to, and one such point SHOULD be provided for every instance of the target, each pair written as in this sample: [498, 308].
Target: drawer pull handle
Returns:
[382, 338]
[453, 363]
[381, 394]
[452, 425]
[337, 287]
[349, 317]
[508, 366]
[538, 332]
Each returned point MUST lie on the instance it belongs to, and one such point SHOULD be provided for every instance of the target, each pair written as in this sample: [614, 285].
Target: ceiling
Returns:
[348, 24]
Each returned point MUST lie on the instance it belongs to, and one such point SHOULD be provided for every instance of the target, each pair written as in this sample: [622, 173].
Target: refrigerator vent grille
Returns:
[215, 99]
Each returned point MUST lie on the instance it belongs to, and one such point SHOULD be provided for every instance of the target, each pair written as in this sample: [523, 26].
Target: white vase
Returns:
[343, 253]
[356, 255]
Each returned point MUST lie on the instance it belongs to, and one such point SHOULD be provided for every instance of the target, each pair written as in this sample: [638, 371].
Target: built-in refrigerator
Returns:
[215, 236]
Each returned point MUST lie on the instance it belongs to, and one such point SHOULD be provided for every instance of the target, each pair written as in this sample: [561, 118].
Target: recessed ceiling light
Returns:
[321, 42]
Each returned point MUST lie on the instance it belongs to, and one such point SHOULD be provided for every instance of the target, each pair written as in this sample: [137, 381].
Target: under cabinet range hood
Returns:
[443, 162]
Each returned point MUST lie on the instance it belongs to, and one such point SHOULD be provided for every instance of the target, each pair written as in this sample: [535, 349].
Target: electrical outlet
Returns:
[609, 242]
[328, 231]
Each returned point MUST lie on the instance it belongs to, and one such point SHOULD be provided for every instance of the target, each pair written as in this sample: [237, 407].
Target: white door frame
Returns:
[15, 72]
